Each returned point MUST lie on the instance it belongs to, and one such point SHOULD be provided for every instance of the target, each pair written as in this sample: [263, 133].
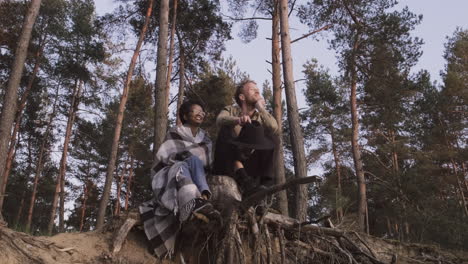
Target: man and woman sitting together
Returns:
[244, 151]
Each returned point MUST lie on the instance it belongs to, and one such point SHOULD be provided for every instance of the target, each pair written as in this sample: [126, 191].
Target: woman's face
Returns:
[195, 116]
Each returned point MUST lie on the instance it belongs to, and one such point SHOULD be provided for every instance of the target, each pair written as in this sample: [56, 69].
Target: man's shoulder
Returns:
[232, 109]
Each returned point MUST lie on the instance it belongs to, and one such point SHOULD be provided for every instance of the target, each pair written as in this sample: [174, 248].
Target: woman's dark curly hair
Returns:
[185, 109]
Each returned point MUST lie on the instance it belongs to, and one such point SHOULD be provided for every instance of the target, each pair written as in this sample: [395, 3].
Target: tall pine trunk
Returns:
[160, 108]
[277, 109]
[118, 126]
[180, 95]
[171, 52]
[11, 94]
[128, 193]
[297, 140]
[40, 164]
[83, 206]
[336, 158]
[362, 199]
[63, 161]
[19, 116]
[20, 208]
[119, 188]
[86, 186]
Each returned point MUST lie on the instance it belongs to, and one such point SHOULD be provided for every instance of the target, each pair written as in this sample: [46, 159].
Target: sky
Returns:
[440, 19]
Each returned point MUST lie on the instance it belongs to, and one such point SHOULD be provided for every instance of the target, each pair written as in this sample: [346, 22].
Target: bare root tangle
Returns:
[22, 248]
[267, 238]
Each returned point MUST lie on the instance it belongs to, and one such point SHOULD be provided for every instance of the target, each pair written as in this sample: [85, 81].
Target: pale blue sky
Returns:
[440, 19]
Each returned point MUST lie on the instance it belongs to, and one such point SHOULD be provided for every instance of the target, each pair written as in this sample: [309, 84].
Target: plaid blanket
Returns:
[173, 194]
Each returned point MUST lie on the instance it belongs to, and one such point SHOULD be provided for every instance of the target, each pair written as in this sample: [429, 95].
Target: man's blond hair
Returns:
[239, 88]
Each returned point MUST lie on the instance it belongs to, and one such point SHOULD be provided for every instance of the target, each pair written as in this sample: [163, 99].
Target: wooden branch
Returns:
[365, 244]
[268, 244]
[281, 242]
[122, 234]
[292, 8]
[312, 32]
[292, 224]
[249, 201]
[372, 258]
[350, 12]
[247, 18]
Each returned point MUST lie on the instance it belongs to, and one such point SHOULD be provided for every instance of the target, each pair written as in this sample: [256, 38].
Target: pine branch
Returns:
[312, 32]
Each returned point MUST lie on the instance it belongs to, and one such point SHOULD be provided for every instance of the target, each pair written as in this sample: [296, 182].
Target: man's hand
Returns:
[244, 119]
[260, 104]
[238, 165]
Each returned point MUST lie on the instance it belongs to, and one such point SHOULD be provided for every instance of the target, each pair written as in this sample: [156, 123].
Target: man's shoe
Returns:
[205, 211]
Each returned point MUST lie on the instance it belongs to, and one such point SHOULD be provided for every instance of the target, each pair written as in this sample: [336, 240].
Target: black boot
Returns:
[247, 184]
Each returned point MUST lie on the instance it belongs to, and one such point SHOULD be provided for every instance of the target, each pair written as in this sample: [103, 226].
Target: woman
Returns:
[179, 180]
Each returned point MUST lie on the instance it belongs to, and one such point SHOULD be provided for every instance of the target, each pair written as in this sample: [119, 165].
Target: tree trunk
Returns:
[118, 126]
[297, 140]
[339, 209]
[59, 187]
[119, 188]
[129, 184]
[63, 160]
[40, 164]
[171, 53]
[180, 95]
[20, 208]
[86, 186]
[11, 94]
[362, 199]
[19, 116]
[277, 109]
[463, 203]
[83, 206]
[160, 109]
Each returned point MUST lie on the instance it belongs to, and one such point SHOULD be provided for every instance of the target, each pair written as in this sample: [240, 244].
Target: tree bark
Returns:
[59, 187]
[129, 184]
[160, 109]
[19, 116]
[339, 210]
[20, 208]
[362, 199]
[83, 206]
[119, 188]
[180, 95]
[40, 164]
[171, 52]
[277, 108]
[118, 126]
[297, 140]
[63, 161]
[86, 188]
[11, 94]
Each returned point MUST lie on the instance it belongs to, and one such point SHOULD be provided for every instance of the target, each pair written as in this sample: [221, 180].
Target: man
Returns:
[244, 150]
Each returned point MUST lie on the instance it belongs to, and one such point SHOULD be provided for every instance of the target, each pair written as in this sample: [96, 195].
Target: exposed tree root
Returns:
[242, 237]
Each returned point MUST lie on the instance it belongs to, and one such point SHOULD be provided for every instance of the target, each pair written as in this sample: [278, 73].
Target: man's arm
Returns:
[269, 122]
[226, 118]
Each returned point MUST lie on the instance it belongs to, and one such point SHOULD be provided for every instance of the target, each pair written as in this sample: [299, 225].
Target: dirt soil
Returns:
[89, 247]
